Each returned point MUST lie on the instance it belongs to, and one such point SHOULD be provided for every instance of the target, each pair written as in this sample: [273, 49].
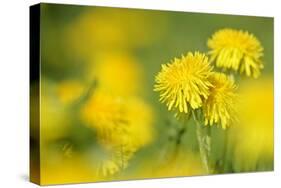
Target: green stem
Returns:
[86, 95]
[202, 145]
[225, 152]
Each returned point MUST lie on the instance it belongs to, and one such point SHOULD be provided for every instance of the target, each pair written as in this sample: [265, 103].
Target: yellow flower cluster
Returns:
[236, 50]
[189, 83]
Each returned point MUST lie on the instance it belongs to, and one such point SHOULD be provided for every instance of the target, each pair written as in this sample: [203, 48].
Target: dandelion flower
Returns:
[103, 112]
[118, 120]
[236, 50]
[122, 127]
[140, 120]
[106, 115]
[219, 107]
[184, 83]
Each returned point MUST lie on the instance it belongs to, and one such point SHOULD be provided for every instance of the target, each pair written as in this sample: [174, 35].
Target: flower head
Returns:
[122, 127]
[236, 50]
[103, 112]
[219, 107]
[184, 83]
[116, 119]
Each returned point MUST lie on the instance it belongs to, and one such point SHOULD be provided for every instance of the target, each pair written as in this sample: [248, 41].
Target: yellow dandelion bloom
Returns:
[122, 125]
[184, 83]
[103, 112]
[236, 50]
[113, 116]
[140, 118]
[106, 115]
[219, 107]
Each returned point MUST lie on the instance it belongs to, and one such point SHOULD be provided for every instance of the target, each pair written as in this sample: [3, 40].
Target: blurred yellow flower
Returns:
[118, 73]
[219, 107]
[184, 83]
[109, 115]
[122, 126]
[106, 115]
[104, 112]
[69, 90]
[109, 29]
[236, 50]
[253, 136]
[140, 119]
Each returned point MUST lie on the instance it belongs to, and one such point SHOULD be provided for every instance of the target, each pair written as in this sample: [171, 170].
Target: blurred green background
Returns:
[122, 50]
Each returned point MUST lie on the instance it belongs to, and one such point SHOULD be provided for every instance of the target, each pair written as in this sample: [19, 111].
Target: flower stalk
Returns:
[203, 143]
